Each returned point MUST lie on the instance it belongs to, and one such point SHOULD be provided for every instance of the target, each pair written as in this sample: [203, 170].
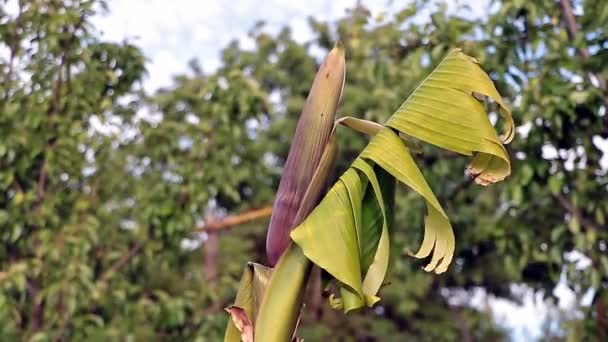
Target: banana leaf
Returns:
[352, 243]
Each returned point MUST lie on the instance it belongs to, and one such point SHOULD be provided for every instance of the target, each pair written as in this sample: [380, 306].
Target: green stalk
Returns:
[280, 309]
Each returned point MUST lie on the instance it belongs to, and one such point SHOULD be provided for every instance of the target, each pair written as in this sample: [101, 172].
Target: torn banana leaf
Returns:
[351, 241]
[444, 112]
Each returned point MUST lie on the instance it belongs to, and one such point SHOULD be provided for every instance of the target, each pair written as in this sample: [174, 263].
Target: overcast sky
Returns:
[173, 32]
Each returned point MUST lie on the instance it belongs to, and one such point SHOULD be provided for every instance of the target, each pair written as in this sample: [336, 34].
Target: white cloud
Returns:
[173, 32]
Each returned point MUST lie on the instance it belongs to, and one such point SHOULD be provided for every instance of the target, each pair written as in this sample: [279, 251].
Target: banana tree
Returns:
[345, 231]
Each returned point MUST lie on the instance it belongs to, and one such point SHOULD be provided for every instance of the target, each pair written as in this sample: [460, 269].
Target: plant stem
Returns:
[278, 315]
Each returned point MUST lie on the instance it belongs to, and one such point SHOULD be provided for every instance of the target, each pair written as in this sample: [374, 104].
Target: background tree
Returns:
[103, 187]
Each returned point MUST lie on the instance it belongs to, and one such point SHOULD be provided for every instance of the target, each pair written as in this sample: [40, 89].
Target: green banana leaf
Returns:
[371, 198]
[347, 234]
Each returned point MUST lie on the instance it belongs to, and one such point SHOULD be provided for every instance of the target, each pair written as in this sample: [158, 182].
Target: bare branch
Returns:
[120, 263]
[212, 252]
[572, 29]
[248, 216]
[42, 181]
[212, 226]
[577, 213]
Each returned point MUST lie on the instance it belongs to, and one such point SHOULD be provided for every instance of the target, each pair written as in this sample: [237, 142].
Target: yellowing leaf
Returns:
[347, 234]
[444, 112]
[387, 150]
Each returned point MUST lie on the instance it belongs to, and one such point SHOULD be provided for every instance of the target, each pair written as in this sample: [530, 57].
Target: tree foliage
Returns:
[102, 186]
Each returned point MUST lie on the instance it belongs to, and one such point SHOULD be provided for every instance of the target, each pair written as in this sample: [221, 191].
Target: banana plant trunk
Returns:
[347, 233]
[302, 185]
[279, 313]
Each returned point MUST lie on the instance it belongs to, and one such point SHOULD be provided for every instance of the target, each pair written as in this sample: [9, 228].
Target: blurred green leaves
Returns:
[143, 189]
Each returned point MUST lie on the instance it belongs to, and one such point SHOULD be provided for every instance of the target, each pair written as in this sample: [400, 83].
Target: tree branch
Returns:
[14, 50]
[572, 28]
[600, 316]
[463, 185]
[211, 254]
[248, 216]
[36, 316]
[212, 226]
[577, 213]
[463, 326]
[571, 24]
[120, 263]
[54, 108]
[42, 181]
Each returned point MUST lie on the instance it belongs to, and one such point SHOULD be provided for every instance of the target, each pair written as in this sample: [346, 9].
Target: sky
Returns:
[171, 33]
